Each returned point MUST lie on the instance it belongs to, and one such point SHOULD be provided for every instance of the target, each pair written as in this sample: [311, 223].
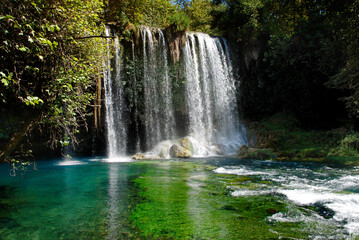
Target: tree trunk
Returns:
[16, 138]
[97, 105]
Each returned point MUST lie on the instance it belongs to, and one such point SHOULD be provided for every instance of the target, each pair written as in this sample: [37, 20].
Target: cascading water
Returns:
[115, 106]
[134, 90]
[150, 93]
[208, 96]
[159, 117]
[169, 121]
[211, 95]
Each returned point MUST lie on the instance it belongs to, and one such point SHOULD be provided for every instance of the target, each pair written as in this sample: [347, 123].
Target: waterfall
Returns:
[195, 103]
[159, 117]
[114, 99]
[202, 89]
[134, 91]
[169, 121]
[211, 95]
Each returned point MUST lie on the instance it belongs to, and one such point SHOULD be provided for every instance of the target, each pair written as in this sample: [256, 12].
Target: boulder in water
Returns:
[186, 143]
[179, 151]
[182, 149]
[138, 156]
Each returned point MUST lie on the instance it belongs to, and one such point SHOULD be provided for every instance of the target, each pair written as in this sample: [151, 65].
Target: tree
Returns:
[47, 67]
[140, 12]
[344, 17]
[199, 12]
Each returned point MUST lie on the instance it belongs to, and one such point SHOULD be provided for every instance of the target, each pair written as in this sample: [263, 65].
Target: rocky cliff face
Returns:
[177, 42]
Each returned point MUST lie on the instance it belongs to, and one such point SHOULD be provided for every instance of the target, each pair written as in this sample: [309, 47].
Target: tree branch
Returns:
[98, 36]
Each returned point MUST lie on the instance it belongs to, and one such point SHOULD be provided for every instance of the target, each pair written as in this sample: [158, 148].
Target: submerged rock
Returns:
[246, 152]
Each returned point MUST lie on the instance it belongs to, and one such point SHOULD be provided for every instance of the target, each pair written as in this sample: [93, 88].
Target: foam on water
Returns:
[334, 189]
[70, 163]
[250, 193]
[117, 159]
[346, 182]
[239, 171]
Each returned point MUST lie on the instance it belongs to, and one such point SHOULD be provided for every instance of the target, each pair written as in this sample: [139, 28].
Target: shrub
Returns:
[351, 142]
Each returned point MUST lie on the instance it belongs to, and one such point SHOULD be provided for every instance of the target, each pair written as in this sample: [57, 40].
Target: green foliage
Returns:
[200, 15]
[307, 47]
[351, 142]
[239, 20]
[46, 65]
[140, 12]
[282, 134]
[179, 22]
[259, 154]
[293, 68]
[348, 147]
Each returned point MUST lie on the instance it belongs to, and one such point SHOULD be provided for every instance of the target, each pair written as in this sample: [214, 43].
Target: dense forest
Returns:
[298, 61]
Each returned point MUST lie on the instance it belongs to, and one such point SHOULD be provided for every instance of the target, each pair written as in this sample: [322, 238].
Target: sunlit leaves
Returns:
[43, 64]
[6, 79]
[33, 101]
[200, 15]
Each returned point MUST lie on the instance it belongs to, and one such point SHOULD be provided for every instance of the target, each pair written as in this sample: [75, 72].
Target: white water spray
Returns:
[115, 119]
[211, 94]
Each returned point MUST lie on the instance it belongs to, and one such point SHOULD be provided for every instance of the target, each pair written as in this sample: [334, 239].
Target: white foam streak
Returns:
[70, 163]
[241, 171]
[117, 159]
[245, 193]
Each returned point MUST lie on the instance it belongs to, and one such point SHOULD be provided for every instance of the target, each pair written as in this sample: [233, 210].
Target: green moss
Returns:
[195, 203]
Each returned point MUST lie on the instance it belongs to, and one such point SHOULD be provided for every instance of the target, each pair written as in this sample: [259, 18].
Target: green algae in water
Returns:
[162, 199]
[193, 204]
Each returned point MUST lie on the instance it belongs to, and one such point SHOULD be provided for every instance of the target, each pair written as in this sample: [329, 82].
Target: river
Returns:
[203, 198]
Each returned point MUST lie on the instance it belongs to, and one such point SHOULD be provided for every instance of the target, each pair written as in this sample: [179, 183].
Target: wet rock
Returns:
[187, 144]
[138, 156]
[183, 148]
[322, 210]
[179, 152]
